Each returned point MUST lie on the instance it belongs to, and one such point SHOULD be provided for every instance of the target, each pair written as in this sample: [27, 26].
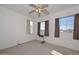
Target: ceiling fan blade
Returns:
[33, 5]
[45, 11]
[31, 11]
[43, 6]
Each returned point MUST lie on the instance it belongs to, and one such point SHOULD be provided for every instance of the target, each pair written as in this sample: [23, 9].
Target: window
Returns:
[42, 27]
[29, 27]
[66, 24]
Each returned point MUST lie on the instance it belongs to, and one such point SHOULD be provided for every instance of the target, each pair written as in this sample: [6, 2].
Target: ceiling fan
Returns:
[39, 9]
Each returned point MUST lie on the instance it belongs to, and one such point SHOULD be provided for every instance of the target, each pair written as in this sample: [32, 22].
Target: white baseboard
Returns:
[14, 44]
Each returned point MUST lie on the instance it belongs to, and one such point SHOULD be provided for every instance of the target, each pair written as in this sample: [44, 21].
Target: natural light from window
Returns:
[31, 27]
[66, 24]
[42, 26]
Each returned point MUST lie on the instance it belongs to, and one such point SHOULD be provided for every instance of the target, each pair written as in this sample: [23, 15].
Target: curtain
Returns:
[38, 32]
[76, 27]
[47, 28]
[57, 30]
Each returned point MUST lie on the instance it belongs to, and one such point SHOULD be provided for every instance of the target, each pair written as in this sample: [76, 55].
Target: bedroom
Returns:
[19, 30]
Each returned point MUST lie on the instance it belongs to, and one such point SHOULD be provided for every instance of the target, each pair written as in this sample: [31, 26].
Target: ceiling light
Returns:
[39, 9]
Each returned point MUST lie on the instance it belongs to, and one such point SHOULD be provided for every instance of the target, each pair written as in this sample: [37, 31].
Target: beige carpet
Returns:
[36, 48]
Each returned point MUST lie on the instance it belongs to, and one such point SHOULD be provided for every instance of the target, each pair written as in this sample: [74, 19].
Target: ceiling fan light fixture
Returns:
[39, 9]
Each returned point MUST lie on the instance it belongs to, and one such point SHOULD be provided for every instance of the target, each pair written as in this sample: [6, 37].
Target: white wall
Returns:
[65, 39]
[13, 28]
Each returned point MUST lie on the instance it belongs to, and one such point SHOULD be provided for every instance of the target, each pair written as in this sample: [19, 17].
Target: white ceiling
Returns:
[25, 8]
